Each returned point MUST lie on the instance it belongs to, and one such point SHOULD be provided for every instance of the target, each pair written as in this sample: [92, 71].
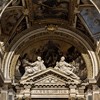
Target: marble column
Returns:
[89, 94]
[11, 94]
[4, 95]
[96, 92]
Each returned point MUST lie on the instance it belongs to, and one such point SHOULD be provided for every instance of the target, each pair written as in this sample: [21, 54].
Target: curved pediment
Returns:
[49, 76]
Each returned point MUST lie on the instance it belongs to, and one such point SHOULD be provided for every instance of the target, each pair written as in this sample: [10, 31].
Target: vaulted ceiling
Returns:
[23, 14]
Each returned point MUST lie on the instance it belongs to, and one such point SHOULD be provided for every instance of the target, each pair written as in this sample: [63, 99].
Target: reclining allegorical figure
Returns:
[66, 68]
[33, 67]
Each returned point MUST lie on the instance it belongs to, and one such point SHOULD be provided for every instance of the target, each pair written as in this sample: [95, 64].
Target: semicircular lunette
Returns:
[51, 52]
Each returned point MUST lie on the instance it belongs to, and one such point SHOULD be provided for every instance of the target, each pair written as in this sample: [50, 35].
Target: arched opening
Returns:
[51, 45]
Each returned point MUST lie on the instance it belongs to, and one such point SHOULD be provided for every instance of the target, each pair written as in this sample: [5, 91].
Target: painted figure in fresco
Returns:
[33, 67]
[66, 68]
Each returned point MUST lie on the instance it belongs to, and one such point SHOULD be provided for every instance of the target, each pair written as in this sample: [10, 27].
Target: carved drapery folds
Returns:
[51, 53]
[49, 82]
[35, 67]
[66, 68]
[38, 66]
[58, 81]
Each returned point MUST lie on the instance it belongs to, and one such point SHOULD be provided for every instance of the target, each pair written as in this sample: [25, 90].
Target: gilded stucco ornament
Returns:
[51, 27]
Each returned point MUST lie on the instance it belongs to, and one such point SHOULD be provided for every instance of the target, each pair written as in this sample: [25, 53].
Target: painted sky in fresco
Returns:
[92, 18]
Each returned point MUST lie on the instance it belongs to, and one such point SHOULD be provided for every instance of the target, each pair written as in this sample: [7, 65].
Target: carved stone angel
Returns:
[66, 68]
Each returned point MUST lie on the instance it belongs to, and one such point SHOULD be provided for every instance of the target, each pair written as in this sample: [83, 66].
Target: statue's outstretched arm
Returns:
[26, 62]
[34, 63]
[67, 64]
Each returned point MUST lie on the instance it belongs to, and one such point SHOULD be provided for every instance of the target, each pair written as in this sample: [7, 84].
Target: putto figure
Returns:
[33, 67]
[66, 68]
